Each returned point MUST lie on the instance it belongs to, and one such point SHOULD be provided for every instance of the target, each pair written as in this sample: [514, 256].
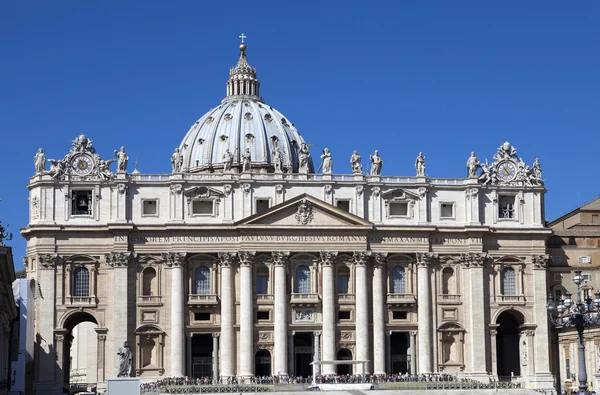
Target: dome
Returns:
[242, 123]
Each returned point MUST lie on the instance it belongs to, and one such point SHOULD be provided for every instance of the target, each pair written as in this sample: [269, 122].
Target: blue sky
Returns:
[441, 77]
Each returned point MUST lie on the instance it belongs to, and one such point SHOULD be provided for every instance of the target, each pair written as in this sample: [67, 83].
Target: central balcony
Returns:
[510, 300]
[149, 300]
[203, 300]
[264, 298]
[305, 299]
[401, 299]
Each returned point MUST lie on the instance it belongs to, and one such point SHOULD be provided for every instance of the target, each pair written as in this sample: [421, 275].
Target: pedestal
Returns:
[123, 385]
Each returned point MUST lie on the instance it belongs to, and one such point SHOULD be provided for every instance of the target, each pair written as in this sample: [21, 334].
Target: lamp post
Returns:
[578, 314]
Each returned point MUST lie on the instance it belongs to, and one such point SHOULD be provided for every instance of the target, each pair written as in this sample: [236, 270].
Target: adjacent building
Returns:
[8, 313]
[241, 260]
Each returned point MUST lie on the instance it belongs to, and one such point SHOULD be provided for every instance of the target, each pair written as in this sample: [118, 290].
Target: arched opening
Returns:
[343, 280]
[448, 281]
[148, 353]
[398, 280]
[344, 355]
[149, 282]
[302, 283]
[202, 280]
[262, 363]
[507, 344]
[80, 352]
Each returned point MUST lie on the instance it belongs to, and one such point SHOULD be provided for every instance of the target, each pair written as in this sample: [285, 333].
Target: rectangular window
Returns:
[343, 315]
[506, 207]
[343, 205]
[202, 207]
[202, 316]
[81, 203]
[150, 207]
[262, 315]
[447, 210]
[585, 259]
[587, 277]
[343, 280]
[399, 315]
[568, 368]
[262, 206]
[262, 283]
[398, 209]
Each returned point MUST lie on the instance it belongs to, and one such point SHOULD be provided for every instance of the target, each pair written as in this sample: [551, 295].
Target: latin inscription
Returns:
[298, 238]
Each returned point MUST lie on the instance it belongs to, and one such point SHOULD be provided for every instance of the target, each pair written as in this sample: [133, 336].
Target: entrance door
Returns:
[202, 348]
[344, 355]
[507, 346]
[262, 363]
[399, 349]
[303, 353]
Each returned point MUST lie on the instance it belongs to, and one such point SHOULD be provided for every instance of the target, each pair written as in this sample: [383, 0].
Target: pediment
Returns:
[202, 192]
[400, 194]
[305, 210]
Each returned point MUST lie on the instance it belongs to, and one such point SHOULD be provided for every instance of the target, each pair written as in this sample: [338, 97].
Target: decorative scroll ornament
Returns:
[280, 258]
[328, 257]
[279, 188]
[328, 189]
[426, 259]
[473, 259]
[264, 336]
[174, 259]
[360, 189]
[246, 258]
[379, 259]
[47, 261]
[176, 189]
[305, 212]
[304, 315]
[540, 261]
[360, 258]
[119, 259]
[122, 188]
[227, 259]
[35, 208]
[508, 169]
[227, 189]
[472, 193]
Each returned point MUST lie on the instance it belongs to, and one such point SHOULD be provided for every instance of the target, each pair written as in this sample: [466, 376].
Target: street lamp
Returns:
[576, 314]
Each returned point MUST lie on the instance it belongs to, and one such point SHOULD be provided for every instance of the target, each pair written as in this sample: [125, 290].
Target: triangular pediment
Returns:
[305, 210]
[399, 194]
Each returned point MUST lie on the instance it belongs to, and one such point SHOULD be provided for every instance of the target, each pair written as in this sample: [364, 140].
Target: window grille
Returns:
[202, 280]
[398, 280]
[302, 279]
[509, 284]
[81, 279]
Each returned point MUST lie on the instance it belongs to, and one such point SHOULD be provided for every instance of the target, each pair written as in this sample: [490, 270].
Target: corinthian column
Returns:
[118, 262]
[362, 309]
[226, 260]
[246, 317]
[379, 313]
[542, 353]
[424, 313]
[280, 259]
[175, 261]
[327, 261]
[474, 262]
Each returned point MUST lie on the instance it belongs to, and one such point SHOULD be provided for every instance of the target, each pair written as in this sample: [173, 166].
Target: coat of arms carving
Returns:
[305, 213]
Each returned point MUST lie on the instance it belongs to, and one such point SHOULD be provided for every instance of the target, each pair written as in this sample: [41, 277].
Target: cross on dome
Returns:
[242, 36]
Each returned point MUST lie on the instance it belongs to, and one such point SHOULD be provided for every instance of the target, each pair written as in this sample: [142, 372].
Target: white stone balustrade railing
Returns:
[346, 298]
[265, 298]
[401, 299]
[304, 298]
[510, 299]
[203, 299]
[449, 298]
[82, 301]
[149, 299]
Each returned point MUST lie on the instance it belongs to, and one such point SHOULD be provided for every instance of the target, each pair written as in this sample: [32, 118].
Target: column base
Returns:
[541, 381]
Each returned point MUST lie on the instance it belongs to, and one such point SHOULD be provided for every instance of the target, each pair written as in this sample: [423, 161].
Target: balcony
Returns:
[203, 300]
[81, 301]
[149, 300]
[304, 299]
[264, 299]
[401, 299]
[346, 298]
[449, 299]
[512, 300]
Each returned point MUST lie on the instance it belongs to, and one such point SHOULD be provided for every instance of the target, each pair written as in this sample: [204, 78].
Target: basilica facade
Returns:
[242, 260]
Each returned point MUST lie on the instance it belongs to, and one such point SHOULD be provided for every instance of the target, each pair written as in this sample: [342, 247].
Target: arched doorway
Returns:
[262, 363]
[77, 348]
[344, 355]
[507, 344]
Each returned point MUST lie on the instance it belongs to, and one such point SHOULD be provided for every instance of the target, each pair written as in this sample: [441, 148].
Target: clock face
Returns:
[82, 164]
[507, 171]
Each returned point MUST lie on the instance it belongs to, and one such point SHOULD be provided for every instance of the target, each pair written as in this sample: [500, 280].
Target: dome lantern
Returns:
[242, 83]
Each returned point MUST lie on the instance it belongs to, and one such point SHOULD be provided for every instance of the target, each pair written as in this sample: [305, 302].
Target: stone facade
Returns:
[227, 269]
[8, 313]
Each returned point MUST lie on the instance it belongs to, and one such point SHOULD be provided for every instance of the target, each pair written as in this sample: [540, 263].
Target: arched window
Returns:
[448, 281]
[81, 280]
[148, 357]
[398, 280]
[508, 284]
[343, 279]
[202, 280]
[149, 282]
[302, 283]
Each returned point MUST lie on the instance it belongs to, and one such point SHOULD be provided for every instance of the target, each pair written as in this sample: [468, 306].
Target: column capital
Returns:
[426, 259]
[189, 335]
[317, 333]
[215, 335]
[327, 258]
[246, 258]
[120, 259]
[473, 259]
[280, 258]
[360, 258]
[540, 261]
[47, 261]
[174, 259]
[528, 332]
[379, 259]
[227, 259]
